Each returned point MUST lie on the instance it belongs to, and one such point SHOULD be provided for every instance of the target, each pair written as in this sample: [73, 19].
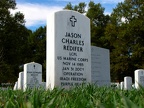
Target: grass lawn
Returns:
[80, 97]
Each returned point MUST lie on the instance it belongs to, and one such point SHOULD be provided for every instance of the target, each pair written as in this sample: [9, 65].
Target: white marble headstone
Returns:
[68, 50]
[122, 85]
[127, 83]
[32, 75]
[15, 86]
[139, 78]
[20, 81]
[100, 66]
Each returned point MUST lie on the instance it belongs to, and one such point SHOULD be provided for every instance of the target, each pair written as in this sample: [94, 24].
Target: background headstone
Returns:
[139, 78]
[68, 50]
[100, 66]
[127, 83]
[20, 81]
[15, 86]
[32, 75]
[122, 85]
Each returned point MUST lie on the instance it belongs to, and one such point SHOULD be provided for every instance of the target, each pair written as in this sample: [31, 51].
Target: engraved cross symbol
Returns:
[73, 20]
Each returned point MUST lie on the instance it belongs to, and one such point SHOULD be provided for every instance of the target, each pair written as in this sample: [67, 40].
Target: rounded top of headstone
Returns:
[61, 12]
[21, 72]
[31, 63]
[139, 70]
[66, 10]
[127, 77]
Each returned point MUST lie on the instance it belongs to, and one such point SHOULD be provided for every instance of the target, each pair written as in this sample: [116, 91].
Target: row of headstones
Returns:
[31, 77]
[139, 81]
[100, 71]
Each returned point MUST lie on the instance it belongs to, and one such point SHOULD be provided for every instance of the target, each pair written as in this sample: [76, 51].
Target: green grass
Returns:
[79, 97]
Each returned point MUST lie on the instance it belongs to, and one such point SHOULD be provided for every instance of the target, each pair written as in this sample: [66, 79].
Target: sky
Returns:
[37, 11]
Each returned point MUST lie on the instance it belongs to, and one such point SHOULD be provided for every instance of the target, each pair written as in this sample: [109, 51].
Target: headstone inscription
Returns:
[20, 81]
[32, 75]
[139, 78]
[100, 66]
[68, 50]
[127, 83]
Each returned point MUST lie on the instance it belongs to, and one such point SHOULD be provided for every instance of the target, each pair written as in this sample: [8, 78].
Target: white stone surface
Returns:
[139, 78]
[100, 66]
[15, 86]
[122, 85]
[127, 83]
[20, 81]
[68, 50]
[32, 75]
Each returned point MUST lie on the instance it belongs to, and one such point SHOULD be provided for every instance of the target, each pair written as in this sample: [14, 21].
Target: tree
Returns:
[13, 37]
[98, 23]
[125, 36]
[80, 7]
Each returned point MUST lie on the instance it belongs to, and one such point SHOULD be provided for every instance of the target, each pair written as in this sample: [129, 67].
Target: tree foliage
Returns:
[80, 7]
[125, 35]
[13, 37]
[98, 22]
